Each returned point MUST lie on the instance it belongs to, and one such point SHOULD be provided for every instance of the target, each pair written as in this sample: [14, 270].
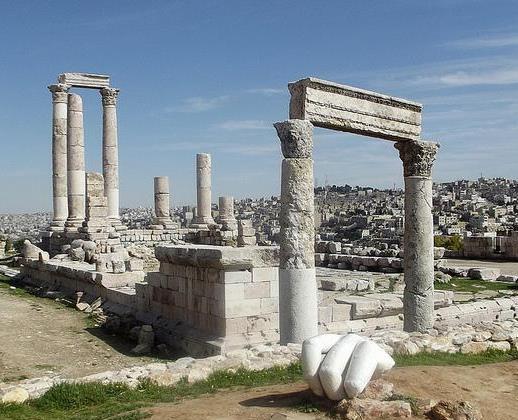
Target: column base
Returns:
[298, 306]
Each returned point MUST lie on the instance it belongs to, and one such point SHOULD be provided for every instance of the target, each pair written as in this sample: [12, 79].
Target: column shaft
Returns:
[226, 213]
[59, 154]
[298, 312]
[203, 189]
[75, 162]
[418, 301]
[110, 152]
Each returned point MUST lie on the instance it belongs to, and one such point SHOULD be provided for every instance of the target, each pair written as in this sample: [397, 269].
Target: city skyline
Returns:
[215, 84]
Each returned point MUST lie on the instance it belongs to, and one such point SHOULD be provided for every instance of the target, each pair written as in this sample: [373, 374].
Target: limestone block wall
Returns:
[149, 237]
[71, 277]
[479, 246]
[210, 298]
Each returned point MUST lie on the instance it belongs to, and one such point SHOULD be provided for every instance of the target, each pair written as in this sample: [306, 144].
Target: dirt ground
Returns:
[493, 388]
[39, 337]
[506, 267]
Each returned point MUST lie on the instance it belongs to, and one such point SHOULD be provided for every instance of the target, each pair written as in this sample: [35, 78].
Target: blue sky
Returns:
[211, 76]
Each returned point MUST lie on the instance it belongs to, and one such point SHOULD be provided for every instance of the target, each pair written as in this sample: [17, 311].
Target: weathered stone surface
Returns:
[86, 80]
[359, 409]
[418, 158]
[203, 189]
[484, 273]
[339, 107]
[17, 395]
[296, 138]
[454, 410]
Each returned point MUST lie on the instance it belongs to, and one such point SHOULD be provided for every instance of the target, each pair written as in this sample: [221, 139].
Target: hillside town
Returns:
[359, 215]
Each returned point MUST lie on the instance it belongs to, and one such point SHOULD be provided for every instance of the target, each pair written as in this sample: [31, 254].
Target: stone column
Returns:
[418, 302]
[59, 155]
[75, 162]
[203, 190]
[162, 203]
[298, 311]
[226, 213]
[111, 153]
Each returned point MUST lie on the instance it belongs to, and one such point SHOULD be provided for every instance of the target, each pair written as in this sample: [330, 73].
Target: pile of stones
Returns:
[466, 338]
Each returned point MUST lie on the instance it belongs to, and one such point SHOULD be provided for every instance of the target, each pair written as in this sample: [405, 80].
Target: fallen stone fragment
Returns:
[16, 395]
[83, 306]
[358, 409]
[378, 389]
[489, 274]
[454, 410]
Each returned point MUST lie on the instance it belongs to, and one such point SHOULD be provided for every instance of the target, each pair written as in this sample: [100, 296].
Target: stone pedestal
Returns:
[298, 311]
[111, 152]
[226, 217]
[96, 204]
[59, 155]
[162, 217]
[418, 303]
[245, 233]
[203, 190]
[75, 163]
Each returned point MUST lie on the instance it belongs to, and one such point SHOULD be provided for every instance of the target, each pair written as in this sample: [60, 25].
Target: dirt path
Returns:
[39, 337]
[493, 388]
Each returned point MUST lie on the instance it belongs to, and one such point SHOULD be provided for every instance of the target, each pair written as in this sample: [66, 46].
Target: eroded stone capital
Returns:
[418, 157]
[109, 96]
[59, 92]
[296, 138]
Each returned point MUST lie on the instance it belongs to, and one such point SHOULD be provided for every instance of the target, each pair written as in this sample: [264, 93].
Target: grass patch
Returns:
[7, 282]
[458, 359]
[459, 284]
[118, 401]
[97, 401]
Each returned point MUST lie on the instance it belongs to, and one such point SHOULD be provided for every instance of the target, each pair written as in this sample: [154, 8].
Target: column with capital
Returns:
[203, 190]
[111, 153]
[59, 155]
[298, 311]
[418, 301]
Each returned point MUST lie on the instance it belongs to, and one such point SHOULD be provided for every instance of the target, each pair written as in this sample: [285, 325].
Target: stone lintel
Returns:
[221, 257]
[345, 108]
[85, 80]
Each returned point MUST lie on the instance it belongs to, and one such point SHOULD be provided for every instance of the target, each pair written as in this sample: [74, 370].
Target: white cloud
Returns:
[499, 41]
[199, 104]
[267, 91]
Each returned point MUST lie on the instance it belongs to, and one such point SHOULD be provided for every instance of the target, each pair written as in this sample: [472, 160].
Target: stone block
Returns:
[325, 314]
[233, 292]
[485, 273]
[261, 274]
[341, 312]
[269, 305]
[257, 290]
[239, 308]
[242, 276]
[340, 107]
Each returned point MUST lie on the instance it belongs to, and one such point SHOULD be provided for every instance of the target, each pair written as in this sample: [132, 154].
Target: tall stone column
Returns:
[226, 213]
[298, 312]
[111, 153]
[418, 302]
[203, 190]
[162, 217]
[59, 155]
[75, 162]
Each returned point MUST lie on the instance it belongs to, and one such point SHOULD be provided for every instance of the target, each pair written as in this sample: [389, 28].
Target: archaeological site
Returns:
[323, 300]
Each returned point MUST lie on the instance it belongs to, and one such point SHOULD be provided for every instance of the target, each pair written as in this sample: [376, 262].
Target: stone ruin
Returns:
[207, 287]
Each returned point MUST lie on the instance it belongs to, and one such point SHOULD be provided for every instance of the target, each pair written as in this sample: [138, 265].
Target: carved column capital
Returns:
[296, 138]
[59, 92]
[418, 157]
[109, 96]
